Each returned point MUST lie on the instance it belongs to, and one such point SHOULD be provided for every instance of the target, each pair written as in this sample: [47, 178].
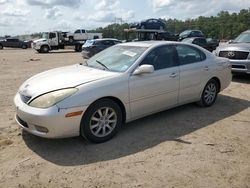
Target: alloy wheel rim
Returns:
[103, 121]
[210, 93]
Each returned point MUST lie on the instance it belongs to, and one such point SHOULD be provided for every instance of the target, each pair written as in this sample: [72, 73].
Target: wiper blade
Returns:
[102, 65]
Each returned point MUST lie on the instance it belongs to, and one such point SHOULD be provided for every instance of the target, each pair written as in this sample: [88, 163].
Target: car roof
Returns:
[247, 31]
[104, 39]
[147, 43]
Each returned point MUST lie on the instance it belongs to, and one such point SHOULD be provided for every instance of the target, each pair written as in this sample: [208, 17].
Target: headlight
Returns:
[49, 99]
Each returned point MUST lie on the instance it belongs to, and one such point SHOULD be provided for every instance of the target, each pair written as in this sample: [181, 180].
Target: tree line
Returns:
[223, 26]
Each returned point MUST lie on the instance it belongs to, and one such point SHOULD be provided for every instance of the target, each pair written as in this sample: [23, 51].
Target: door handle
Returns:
[173, 75]
[206, 68]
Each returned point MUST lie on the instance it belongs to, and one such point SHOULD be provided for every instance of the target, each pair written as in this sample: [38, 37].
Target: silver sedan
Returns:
[120, 84]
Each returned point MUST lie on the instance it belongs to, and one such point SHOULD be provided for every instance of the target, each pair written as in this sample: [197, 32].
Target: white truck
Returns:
[82, 35]
[54, 41]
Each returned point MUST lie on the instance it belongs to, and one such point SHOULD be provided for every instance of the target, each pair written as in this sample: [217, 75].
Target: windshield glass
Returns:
[244, 37]
[88, 43]
[45, 35]
[116, 58]
[188, 40]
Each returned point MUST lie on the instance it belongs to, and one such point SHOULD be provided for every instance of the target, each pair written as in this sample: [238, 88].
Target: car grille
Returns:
[234, 54]
[25, 98]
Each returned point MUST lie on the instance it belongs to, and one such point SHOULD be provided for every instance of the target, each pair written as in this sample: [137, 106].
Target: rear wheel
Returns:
[24, 46]
[1, 46]
[101, 121]
[209, 94]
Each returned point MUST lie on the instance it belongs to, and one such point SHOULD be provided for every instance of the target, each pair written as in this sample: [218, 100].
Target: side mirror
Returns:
[144, 69]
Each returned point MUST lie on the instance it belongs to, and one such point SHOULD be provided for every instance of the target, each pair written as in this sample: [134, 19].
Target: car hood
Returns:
[40, 40]
[64, 77]
[235, 47]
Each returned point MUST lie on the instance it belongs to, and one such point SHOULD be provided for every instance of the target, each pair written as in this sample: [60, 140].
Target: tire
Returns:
[24, 46]
[44, 49]
[101, 121]
[1, 46]
[209, 94]
[71, 40]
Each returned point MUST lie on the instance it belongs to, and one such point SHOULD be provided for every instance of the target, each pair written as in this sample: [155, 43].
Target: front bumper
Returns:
[35, 46]
[240, 66]
[50, 122]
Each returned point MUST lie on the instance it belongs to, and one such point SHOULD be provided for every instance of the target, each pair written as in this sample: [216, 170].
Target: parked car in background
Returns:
[238, 53]
[190, 33]
[200, 41]
[213, 42]
[149, 24]
[169, 36]
[94, 46]
[82, 35]
[13, 43]
[118, 85]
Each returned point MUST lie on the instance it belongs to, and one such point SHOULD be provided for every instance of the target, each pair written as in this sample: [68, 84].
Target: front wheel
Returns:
[45, 49]
[209, 94]
[101, 121]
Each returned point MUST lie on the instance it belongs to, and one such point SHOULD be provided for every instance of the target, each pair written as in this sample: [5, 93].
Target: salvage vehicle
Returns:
[82, 35]
[238, 53]
[94, 46]
[13, 43]
[120, 84]
[190, 33]
[200, 41]
[54, 41]
[149, 24]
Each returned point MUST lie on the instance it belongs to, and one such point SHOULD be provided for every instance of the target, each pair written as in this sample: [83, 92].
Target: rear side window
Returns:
[188, 54]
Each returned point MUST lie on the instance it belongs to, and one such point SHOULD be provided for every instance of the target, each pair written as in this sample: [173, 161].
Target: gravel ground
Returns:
[187, 146]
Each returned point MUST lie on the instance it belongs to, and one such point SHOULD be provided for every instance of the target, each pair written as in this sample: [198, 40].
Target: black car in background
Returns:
[149, 24]
[190, 33]
[169, 36]
[200, 41]
[94, 46]
[13, 43]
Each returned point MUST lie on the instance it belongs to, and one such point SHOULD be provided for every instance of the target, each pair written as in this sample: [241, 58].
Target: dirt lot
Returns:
[184, 147]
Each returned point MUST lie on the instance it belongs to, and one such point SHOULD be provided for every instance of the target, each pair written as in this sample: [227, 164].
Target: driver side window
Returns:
[161, 57]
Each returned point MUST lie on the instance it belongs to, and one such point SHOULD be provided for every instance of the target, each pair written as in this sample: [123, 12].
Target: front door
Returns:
[155, 91]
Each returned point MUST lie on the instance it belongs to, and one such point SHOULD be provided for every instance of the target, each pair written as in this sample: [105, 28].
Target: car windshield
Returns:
[117, 58]
[45, 35]
[88, 43]
[244, 37]
[188, 40]
[185, 32]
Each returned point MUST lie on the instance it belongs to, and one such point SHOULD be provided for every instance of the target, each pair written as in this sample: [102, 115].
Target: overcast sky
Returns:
[28, 16]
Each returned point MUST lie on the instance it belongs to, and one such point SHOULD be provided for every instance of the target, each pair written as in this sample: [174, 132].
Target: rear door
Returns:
[194, 71]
